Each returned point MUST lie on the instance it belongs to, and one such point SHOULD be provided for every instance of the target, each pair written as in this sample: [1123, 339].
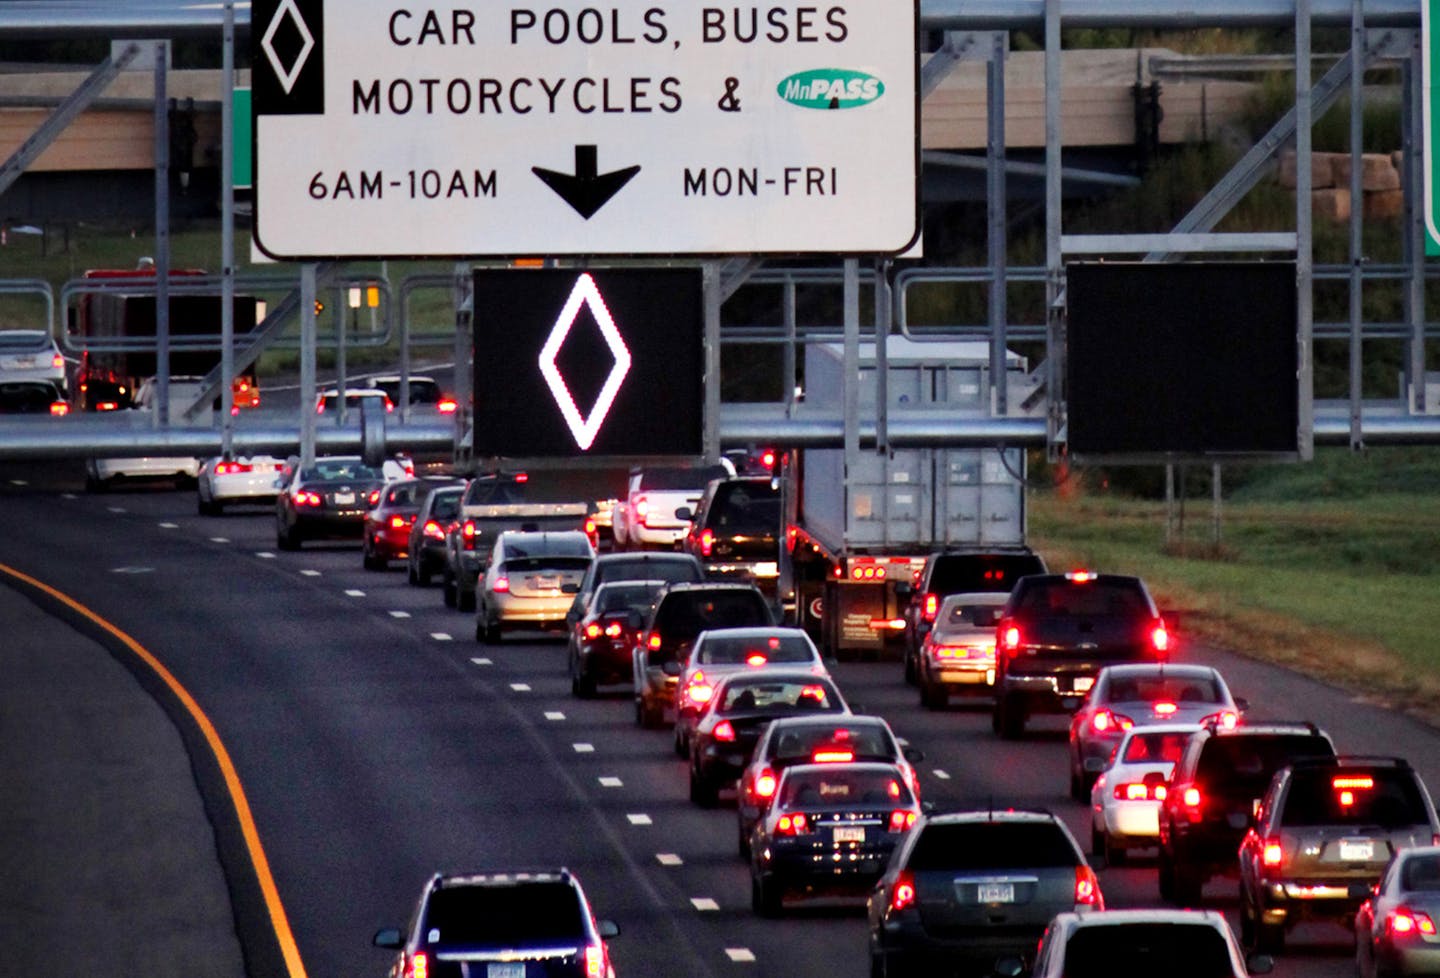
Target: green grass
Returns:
[1329, 566]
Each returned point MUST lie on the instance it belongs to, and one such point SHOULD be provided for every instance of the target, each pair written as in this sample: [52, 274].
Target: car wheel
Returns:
[423, 576]
[702, 792]
[1166, 877]
[682, 749]
[207, 507]
[464, 598]
[639, 712]
[1012, 718]
[1264, 938]
[911, 672]
[765, 896]
[493, 635]
[743, 841]
[286, 538]
[1077, 786]
[581, 685]
[934, 696]
[1186, 886]
[447, 589]
[410, 573]
[1115, 854]
[372, 561]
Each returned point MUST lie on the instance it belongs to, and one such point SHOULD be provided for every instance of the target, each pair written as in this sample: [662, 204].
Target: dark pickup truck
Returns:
[1056, 633]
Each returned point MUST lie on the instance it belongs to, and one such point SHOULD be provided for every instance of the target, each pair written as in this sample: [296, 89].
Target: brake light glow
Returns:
[1403, 920]
[1010, 637]
[614, 629]
[642, 510]
[654, 640]
[374, 496]
[699, 692]
[419, 966]
[1087, 888]
[433, 531]
[398, 522]
[468, 534]
[1105, 721]
[1363, 783]
[707, 541]
[307, 498]
[832, 756]
[231, 468]
[902, 894]
[765, 783]
[756, 659]
[901, 819]
[594, 961]
[59, 409]
[929, 605]
[447, 405]
[1273, 854]
[1227, 719]
[1165, 709]
[725, 731]
[1137, 791]
[57, 361]
[792, 823]
[1160, 638]
[501, 585]
[1080, 577]
[593, 630]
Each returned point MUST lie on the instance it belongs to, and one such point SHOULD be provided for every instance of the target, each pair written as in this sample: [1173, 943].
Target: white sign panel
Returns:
[561, 128]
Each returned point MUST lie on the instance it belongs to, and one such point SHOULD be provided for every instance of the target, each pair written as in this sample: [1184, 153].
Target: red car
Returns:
[387, 526]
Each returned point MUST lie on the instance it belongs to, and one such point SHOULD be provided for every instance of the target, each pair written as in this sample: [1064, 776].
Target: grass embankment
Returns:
[1329, 567]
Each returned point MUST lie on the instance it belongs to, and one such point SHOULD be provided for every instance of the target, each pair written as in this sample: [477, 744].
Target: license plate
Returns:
[505, 969]
[545, 583]
[344, 498]
[1357, 851]
[1082, 684]
[847, 833]
[24, 361]
[997, 893]
[767, 569]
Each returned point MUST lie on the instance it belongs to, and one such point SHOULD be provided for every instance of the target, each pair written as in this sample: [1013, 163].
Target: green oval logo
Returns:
[831, 88]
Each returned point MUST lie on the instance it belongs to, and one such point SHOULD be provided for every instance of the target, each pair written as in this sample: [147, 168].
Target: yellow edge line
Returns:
[278, 919]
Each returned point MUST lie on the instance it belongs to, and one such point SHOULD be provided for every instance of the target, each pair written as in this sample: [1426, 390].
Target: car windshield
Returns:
[1146, 748]
[754, 649]
[1387, 797]
[778, 696]
[992, 845]
[503, 916]
[1157, 688]
[1422, 873]
[694, 479]
[446, 505]
[746, 507]
[865, 741]
[623, 597]
[339, 472]
[972, 615]
[960, 573]
[1244, 764]
[841, 787]
[1091, 599]
[1139, 950]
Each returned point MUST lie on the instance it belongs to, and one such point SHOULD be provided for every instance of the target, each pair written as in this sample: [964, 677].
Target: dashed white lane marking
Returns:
[740, 955]
[584, 748]
[399, 614]
[520, 687]
[219, 539]
[611, 783]
[478, 662]
[668, 859]
[940, 774]
[639, 818]
[440, 636]
[18, 482]
[169, 526]
[310, 573]
[67, 495]
[704, 903]
[116, 509]
[554, 715]
[264, 555]
[354, 592]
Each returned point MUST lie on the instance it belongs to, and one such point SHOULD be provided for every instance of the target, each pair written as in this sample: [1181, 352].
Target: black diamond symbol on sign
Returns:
[585, 360]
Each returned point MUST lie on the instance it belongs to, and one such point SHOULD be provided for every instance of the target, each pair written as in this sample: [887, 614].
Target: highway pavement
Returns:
[376, 742]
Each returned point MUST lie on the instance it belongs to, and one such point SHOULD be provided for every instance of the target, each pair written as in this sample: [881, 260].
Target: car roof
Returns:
[685, 587]
[1189, 670]
[1032, 816]
[826, 721]
[647, 557]
[542, 535]
[757, 631]
[975, 597]
[1157, 915]
[876, 766]
[628, 582]
[503, 877]
[1268, 728]
[774, 676]
[388, 378]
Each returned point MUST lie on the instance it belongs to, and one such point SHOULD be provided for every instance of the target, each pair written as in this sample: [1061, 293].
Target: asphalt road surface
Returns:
[377, 742]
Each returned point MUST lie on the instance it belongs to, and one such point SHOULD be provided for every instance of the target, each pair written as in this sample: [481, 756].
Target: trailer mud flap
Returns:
[849, 610]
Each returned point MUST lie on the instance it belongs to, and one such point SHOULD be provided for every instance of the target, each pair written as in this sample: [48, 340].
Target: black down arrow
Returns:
[586, 190]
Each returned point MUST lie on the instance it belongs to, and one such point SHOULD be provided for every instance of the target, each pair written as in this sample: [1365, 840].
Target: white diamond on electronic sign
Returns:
[584, 294]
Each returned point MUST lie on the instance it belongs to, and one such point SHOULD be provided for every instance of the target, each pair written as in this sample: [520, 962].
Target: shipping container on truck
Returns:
[115, 331]
[857, 540]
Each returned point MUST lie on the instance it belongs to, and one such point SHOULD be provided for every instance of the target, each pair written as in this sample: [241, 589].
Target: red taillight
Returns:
[57, 361]
[642, 510]
[374, 497]
[929, 606]
[231, 468]
[1160, 638]
[654, 640]
[398, 523]
[1165, 709]
[1136, 791]
[306, 498]
[767, 457]
[725, 731]
[59, 409]
[794, 823]
[707, 542]
[901, 819]
[1106, 721]
[1403, 921]
[1273, 854]
[1087, 889]
[902, 894]
[697, 690]
[593, 630]
[501, 585]
[765, 784]
[755, 660]
[447, 405]
[594, 961]
[433, 530]
[614, 629]
[1227, 719]
[1010, 637]
[419, 966]
[107, 406]
[467, 535]
[833, 756]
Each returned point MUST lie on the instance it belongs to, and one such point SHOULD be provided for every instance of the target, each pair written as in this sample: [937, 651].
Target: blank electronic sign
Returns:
[573, 363]
[1185, 359]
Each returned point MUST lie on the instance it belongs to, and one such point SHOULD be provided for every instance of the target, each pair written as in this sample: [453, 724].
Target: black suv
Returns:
[463, 923]
[735, 532]
[1321, 839]
[1057, 631]
[1213, 794]
[967, 888]
[965, 571]
[683, 611]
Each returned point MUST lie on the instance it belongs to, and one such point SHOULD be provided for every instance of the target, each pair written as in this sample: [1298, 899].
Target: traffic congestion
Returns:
[1144, 779]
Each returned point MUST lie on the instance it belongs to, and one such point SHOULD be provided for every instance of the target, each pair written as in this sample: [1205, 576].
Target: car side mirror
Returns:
[1260, 964]
[389, 937]
[608, 928]
[913, 754]
[684, 513]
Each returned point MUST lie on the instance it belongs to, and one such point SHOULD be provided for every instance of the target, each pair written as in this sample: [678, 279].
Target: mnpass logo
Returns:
[831, 88]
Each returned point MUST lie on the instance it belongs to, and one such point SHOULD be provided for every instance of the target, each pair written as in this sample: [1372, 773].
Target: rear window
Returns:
[1246, 763]
[622, 597]
[730, 650]
[973, 615]
[1146, 748]
[421, 391]
[1154, 689]
[23, 341]
[1174, 950]
[678, 478]
[839, 787]
[746, 507]
[446, 505]
[778, 695]
[669, 571]
[864, 741]
[1385, 797]
[683, 616]
[549, 546]
[27, 398]
[509, 916]
[1422, 873]
[340, 471]
[992, 846]
[1092, 599]
[407, 494]
[962, 573]
[546, 562]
